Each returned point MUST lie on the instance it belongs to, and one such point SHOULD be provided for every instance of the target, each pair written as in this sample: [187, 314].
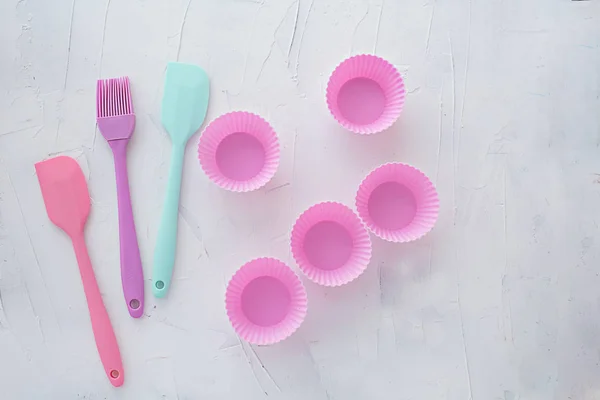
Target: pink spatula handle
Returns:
[106, 342]
[132, 276]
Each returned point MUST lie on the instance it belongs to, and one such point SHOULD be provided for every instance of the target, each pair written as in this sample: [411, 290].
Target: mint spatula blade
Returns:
[184, 106]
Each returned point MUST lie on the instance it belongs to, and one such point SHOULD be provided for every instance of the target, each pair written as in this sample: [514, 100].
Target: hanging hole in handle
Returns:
[160, 285]
[114, 374]
[134, 304]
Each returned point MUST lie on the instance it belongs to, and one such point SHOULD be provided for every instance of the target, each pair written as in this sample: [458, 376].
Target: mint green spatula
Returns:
[184, 106]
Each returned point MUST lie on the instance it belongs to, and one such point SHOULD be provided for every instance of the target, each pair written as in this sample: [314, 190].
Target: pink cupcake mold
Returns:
[365, 94]
[239, 151]
[265, 301]
[398, 203]
[331, 244]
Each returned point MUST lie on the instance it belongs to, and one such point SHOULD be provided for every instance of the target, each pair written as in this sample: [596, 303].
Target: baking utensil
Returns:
[116, 121]
[239, 151]
[365, 94]
[398, 202]
[67, 203]
[184, 106]
[331, 244]
[265, 301]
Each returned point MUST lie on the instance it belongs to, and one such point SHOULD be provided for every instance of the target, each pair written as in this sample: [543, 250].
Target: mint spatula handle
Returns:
[166, 242]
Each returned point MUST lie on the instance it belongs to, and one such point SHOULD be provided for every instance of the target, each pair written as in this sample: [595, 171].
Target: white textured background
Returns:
[500, 302]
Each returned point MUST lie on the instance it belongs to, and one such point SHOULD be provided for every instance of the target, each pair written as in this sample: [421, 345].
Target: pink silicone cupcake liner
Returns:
[265, 301]
[365, 94]
[239, 151]
[331, 244]
[398, 203]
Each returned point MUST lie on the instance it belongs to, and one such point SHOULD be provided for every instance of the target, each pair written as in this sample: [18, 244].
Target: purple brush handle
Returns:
[132, 275]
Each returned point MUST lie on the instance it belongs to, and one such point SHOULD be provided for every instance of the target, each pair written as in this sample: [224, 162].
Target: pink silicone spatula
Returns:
[116, 121]
[67, 202]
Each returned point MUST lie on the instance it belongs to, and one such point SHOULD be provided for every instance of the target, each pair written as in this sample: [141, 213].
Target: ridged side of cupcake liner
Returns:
[227, 124]
[361, 253]
[265, 335]
[377, 69]
[426, 197]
